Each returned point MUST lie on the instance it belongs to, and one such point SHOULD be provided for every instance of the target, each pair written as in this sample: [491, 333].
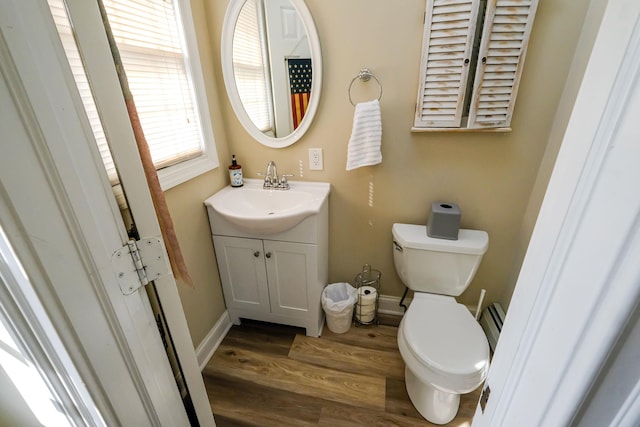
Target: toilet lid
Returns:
[444, 335]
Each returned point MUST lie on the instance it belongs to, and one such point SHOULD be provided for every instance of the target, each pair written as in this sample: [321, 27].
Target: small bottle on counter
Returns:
[235, 173]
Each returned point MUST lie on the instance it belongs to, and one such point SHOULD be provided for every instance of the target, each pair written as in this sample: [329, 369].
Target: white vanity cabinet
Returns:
[268, 276]
[277, 277]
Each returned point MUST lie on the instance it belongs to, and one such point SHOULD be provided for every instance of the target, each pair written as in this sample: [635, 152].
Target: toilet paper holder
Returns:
[367, 283]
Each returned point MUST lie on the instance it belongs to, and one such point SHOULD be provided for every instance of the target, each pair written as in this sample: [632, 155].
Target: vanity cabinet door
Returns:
[291, 271]
[242, 271]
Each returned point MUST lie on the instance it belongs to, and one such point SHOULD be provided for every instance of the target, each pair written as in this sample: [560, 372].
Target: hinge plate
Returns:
[149, 257]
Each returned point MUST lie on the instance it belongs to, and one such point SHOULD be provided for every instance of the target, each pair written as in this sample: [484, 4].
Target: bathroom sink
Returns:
[258, 211]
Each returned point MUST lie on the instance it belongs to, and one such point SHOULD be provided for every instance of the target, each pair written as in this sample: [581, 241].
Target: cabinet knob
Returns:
[256, 254]
[268, 254]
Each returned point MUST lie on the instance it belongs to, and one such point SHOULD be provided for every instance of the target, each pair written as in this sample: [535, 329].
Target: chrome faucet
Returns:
[272, 174]
[271, 179]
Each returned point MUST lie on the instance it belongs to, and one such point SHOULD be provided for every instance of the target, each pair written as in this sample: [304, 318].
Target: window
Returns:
[472, 58]
[164, 78]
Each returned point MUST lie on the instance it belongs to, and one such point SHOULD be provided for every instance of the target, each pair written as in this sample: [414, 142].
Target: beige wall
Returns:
[204, 303]
[490, 176]
[563, 113]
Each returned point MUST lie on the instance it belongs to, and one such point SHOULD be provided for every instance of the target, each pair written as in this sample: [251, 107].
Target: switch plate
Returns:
[315, 159]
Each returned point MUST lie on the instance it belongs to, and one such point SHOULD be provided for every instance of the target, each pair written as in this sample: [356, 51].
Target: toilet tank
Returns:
[427, 264]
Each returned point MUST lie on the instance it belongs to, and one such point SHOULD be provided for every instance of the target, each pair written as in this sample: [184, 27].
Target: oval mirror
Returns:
[272, 68]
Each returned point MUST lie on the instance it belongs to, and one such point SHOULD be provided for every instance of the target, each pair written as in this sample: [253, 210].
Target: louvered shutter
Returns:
[501, 58]
[446, 55]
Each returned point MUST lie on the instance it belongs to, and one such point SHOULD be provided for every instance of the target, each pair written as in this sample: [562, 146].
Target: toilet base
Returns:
[438, 407]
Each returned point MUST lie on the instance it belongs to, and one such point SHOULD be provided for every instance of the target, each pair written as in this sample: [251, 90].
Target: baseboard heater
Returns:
[491, 321]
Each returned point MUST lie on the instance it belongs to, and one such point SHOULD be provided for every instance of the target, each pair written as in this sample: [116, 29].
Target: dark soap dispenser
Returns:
[235, 173]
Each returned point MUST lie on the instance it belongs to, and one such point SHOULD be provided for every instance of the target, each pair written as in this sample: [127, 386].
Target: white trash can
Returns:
[338, 300]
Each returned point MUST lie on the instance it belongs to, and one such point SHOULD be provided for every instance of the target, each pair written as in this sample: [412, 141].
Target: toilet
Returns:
[444, 349]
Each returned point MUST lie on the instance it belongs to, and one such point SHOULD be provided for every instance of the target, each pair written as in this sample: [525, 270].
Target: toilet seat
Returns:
[442, 343]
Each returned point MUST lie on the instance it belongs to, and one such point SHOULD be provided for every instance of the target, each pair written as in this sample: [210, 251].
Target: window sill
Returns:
[184, 171]
[462, 130]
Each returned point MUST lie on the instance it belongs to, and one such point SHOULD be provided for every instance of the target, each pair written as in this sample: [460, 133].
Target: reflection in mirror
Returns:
[250, 67]
[272, 65]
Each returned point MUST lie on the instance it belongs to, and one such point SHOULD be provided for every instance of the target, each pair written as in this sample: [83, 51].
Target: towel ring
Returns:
[364, 75]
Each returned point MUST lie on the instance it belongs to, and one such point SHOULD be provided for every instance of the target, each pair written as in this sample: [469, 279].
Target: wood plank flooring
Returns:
[273, 375]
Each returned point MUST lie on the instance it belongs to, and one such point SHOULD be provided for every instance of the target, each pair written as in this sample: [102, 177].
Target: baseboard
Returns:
[212, 340]
[388, 304]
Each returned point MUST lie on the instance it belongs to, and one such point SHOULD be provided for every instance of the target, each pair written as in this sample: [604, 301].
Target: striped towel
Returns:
[366, 136]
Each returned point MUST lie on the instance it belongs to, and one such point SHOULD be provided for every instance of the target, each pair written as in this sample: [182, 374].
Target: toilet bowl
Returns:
[444, 349]
[445, 352]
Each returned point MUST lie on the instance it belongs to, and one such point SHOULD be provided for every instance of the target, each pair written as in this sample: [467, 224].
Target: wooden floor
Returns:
[272, 375]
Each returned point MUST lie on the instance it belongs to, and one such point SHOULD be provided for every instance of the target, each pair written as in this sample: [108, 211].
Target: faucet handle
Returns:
[267, 180]
[284, 184]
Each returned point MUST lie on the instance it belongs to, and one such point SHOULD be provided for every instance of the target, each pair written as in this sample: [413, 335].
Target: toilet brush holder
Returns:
[367, 283]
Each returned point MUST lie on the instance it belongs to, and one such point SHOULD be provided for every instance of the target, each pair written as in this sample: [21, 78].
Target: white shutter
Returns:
[446, 54]
[504, 43]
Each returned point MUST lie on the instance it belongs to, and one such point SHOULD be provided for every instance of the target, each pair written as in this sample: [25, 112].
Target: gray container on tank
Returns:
[444, 221]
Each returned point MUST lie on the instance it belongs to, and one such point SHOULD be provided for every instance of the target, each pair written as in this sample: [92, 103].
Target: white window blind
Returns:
[150, 44]
[249, 67]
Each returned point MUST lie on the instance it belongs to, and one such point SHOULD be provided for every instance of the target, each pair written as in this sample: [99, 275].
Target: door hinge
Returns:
[138, 262]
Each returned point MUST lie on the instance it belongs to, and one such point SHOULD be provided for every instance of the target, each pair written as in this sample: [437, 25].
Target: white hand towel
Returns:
[366, 136]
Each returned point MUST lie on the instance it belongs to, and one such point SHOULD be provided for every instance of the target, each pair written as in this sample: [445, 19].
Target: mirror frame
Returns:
[228, 29]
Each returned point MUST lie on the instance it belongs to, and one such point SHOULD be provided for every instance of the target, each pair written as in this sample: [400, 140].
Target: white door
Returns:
[59, 214]
[98, 63]
[291, 269]
[578, 286]
[243, 274]
[287, 38]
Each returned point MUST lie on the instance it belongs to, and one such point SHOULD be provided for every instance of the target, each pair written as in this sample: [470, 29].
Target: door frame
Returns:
[578, 286]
